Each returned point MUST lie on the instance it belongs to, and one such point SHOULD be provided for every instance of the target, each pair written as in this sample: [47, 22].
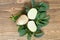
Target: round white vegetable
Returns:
[32, 13]
[32, 26]
[23, 19]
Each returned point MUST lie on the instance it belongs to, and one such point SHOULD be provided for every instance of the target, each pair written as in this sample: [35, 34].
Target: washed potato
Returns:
[23, 19]
[32, 13]
[32, 26]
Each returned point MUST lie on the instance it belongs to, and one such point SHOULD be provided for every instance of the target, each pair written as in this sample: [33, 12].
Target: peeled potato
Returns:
[32, 13]
[23, 19]
[32, 26]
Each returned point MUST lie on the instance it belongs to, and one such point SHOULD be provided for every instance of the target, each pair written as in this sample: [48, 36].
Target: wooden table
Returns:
[8, 29]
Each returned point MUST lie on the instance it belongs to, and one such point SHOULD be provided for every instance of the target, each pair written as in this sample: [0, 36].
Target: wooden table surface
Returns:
[8, 29]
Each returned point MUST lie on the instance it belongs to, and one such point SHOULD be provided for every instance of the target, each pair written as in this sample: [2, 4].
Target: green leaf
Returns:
[39, 25]
[20, 27]
[37, 17]
[44, 22]
[33, 3]
[14, 18]
[41, 15]
[29, 36]
[38, 33]
[22, 31]
[46, 18]
[27, 8]
[43, 6]
[42, 9]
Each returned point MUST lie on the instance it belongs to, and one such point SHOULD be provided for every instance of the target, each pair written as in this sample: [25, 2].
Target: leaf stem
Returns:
[33, 3]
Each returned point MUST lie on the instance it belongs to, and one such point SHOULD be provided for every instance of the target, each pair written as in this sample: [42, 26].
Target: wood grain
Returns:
[8, 29]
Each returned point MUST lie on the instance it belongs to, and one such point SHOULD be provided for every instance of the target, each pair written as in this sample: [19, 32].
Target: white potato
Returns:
[32, 26]
[32, 13]
[23, 19]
